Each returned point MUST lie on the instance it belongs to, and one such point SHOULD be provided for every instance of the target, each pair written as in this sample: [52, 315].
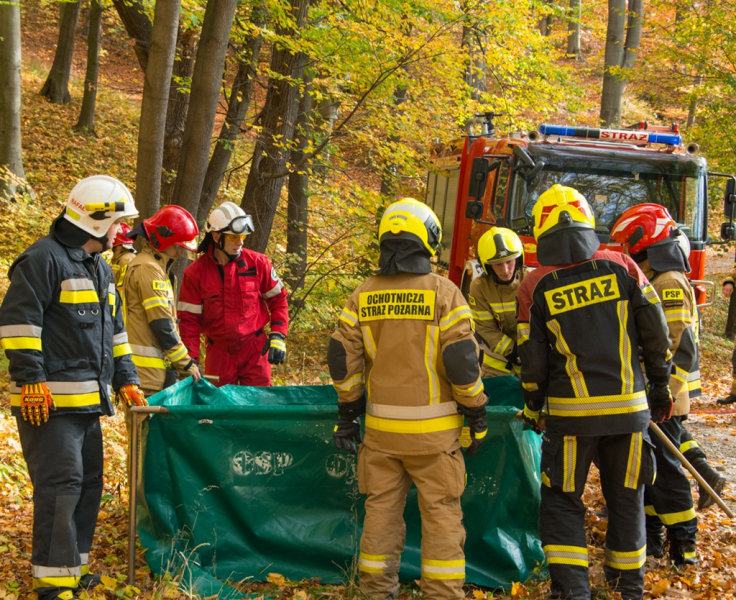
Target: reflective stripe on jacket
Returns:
[578, 333]
[121, 257]
[61, 323]
[406, 341]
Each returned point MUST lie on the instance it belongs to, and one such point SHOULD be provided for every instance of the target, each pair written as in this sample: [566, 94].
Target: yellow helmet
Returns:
[559, 208]
[499, 244]
[409, 216]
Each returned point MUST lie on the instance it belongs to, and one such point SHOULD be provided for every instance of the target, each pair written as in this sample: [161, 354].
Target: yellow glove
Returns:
[533, 419]
[132, 394]
[35, 403]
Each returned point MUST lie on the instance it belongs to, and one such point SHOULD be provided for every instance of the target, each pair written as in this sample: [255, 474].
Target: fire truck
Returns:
[489, 180]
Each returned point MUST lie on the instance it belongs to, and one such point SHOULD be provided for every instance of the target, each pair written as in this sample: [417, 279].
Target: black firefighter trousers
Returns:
[65, 463]
[626, 463]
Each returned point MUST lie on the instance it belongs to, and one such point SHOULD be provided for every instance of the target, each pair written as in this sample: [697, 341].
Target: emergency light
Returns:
[105, 207]
[613, 135]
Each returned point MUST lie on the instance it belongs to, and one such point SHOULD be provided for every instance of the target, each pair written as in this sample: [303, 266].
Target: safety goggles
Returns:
[241, 225]
[234, 237]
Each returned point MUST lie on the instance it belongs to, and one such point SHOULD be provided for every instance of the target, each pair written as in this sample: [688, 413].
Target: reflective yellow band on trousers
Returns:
[678, 517]
[423, 426]
[597, 405]
[626, 561]
[443, 569]
[566, 555]
[52, 582]
[376, 563]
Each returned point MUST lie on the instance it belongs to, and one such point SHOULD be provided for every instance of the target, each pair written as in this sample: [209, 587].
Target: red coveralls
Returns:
[231, 304]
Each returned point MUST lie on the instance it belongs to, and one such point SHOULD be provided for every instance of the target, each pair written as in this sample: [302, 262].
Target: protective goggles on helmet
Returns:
[240, 225]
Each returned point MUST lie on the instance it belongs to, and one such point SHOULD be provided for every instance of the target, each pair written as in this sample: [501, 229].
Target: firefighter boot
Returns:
[682, 553]
[716, 481]
[655, 543]
[730, 399]
[89, 581]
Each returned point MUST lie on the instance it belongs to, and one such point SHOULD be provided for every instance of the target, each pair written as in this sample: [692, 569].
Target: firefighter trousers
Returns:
[440, 481]
[242, 364]
[626, 463]
[669, 501]
[65, 462]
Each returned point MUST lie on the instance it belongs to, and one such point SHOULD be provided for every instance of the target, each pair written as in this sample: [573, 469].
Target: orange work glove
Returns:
[132, 394]
[35, 403]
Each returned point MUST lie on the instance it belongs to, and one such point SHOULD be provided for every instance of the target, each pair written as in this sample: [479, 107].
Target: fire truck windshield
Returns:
[614, 180]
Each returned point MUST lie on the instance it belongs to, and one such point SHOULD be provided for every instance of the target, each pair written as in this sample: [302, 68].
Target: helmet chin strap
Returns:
[220, 245]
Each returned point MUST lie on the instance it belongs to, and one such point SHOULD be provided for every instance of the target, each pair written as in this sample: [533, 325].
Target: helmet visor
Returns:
[241, 225]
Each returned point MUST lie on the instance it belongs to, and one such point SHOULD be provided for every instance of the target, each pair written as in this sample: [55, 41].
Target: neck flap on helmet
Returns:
[567, 246]
[67, 233]
[403, 254]
[666, 255]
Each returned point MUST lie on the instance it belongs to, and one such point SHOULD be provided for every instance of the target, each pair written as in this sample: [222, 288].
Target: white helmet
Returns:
[230, 218]
[97, 202]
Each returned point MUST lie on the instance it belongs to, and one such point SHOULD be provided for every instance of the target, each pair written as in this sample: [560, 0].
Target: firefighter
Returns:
[404, 353]
[582, 315]
[61, 326]
[727, 290]
[148, 294]
[122, 252]
[230, 294]
[650, 236]
[492, 299]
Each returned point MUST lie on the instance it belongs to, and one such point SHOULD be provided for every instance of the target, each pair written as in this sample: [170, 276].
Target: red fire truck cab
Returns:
[487, 179]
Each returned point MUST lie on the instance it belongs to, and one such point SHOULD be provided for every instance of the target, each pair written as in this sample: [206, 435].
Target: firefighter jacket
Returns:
[61, 322]
[121, 256]
[406, 341]
[494, 310]
[228, 302]
[678, 302]
[578, 333]
[150, 317]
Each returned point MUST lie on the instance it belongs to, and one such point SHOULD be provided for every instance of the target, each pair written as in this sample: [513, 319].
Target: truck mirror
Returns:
[478, 176]
[727, 231]
[527, 162]
[729, 198]
[474, 210]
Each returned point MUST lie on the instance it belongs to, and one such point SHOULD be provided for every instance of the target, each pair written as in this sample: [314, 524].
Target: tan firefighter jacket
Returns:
[150, 317]
[678, 303]
[494, 310]
[121, 257]
[407, 342]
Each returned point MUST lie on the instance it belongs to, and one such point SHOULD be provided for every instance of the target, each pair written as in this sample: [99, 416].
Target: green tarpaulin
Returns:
[239, 482]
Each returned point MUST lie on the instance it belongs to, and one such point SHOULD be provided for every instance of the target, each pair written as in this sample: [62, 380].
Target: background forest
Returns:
[313, 115]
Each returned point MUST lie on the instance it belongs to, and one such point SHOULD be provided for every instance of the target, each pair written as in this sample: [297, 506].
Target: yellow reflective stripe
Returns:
[443, 569]
[66, 400]
[530, 387]
[522, 333]
[649, 510]
[111, 299]
[21, 343]
[155, 301]
[78, 297]
[545, 480]
[624, 348]
[121, 350]
[349, 384]
[471, 390]
[503, 345]
[375, 563]
[502, 307]
[423, 426]
[378, 556]
[431, 345]
[148, 361]
[597, 405]
[677, 315]
[678, 517]
[349, 317]
[633, 465]
[278, 344]
[566, 555]
[411, 413]
[626, 561]
[649, 293]
[570, 454]
[571, 362]
[369, 342]
[456, 314]
[494, 363]
[52, 582]
[178, 355]
[680, 375]
[689, 445]
[482, 315]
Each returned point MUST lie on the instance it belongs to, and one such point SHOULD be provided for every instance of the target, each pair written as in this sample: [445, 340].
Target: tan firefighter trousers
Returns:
[440, 480]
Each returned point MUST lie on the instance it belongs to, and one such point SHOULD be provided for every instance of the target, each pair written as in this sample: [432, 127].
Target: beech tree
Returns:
[86, 120]
[56, 87]
[11, 157]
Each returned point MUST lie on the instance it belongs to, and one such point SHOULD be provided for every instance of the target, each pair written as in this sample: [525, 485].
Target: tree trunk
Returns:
[138, 26]
[11, 156]
[56, 87]
[153, 108]
[86, 120]
[263, 188]
[545, 22]
[298, 205]
[238, 105]
[390, 171]
[475, 71]
[205, 93]
[622, 42]
[176, 114]
[693, 108]
[573, 29]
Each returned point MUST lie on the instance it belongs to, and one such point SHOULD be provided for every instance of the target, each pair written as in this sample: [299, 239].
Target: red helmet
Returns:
[642, 226]
[171, 225]
[120, 239]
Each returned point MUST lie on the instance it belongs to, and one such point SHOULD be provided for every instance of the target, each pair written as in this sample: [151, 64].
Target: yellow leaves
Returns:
[276, 579]
[108, 581]
[660, 587]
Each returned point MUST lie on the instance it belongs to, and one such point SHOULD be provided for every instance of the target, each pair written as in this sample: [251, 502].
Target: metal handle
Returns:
[705, 283]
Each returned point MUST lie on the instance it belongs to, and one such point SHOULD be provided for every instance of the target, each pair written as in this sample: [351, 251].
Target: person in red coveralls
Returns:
[230, 294]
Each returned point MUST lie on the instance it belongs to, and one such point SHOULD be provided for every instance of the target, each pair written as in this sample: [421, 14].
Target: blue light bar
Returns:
[613, 135]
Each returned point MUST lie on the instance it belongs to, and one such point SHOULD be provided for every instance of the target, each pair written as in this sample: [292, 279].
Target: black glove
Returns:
[276, 348]
[512, 358]
[478, 425]
[347, 431]
[660, 402]
[533, 420]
